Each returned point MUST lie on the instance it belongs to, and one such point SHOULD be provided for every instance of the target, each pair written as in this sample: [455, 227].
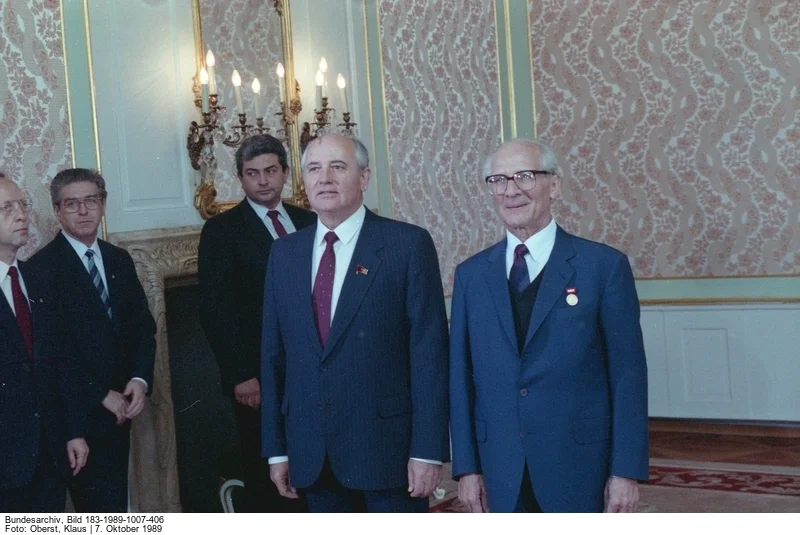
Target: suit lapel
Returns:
[303, 254]
[557, 274]
[82, 282]
[9, 321]
[254, 225]
[300, 218]
[497, 280]
[355, 285]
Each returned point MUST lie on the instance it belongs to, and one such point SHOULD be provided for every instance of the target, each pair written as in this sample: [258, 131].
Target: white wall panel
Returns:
[724, 362]
[143, 61]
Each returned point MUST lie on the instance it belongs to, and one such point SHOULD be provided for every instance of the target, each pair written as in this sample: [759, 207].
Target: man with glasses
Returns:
[109, 315]
[548, 379]
[41, 417]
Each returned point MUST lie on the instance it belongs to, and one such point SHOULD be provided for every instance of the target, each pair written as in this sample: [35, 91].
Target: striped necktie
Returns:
[94, 273]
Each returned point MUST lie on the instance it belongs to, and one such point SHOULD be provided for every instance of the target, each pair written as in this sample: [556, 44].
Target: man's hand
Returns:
[248, 393]
[134, 393]
[621, 495]
[472, 493]
[77, 453]
[423, 478]
[279, 474]
[116, 404]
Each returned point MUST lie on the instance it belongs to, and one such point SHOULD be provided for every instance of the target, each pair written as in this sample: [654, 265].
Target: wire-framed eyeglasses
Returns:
[525, 180]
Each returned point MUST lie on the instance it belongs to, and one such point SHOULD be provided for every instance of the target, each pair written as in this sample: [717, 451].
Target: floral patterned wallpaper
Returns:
[244, 35]
[678, 122]
[443, 107]
[34, 126]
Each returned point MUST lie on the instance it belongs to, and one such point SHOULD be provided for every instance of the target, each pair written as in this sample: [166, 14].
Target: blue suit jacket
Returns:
[376, 394]
[573, 403]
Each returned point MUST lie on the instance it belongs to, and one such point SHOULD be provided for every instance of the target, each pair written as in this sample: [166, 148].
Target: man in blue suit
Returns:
[548, 379]
[354, 349]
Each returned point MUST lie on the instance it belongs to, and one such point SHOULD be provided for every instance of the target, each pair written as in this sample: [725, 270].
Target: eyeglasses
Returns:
[73, 205]
[525, 180]
[9, 207]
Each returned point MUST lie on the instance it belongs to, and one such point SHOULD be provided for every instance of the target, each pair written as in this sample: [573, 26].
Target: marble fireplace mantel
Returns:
[159, 255]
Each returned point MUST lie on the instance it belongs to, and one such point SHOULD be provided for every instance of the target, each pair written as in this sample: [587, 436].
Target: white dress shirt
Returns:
[347, 232]
[540, 245]
[80, 250]
[5, 283]
[283, 217]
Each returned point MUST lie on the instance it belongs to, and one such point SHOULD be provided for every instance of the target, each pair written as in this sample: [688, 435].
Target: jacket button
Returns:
[523, 392]
[323, 368]
[319, 404]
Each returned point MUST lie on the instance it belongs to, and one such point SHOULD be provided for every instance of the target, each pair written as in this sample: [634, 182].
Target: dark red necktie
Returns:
[518, 277]
[323, 288]
[22, 311]
[279, 228]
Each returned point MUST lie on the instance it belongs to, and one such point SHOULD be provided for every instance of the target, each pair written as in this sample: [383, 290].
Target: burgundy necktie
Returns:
[273, 214]
[323, 288]
[21, 310]
[519, 277]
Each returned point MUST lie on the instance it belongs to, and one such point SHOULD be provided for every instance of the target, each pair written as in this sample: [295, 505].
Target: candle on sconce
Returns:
[257, 96]
[323, 68]
[281, 73]
[237, 90]
[319, 80]
[342, 84]
[204, 88]
[212, 73]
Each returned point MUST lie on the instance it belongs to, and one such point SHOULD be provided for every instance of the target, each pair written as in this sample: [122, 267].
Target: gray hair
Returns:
[71, 176]
[362, 154]
[549, 158]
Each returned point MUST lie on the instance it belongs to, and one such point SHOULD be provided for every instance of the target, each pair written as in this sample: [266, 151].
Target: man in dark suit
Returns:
[548, 379]
[109, 315]
[232, 262]
[354, 358]
[42, 422]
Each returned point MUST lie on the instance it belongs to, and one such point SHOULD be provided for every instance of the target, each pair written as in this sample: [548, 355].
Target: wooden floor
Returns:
[731, 443]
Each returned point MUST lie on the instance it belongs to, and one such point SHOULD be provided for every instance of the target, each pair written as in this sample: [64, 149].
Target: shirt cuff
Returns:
[146, 386]
[429, 461]
[278, 460]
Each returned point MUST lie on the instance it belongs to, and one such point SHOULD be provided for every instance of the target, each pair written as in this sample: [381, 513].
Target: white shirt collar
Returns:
[540, 245]
[261, 210]
[5, 267]
[347, 229]
[80, 247]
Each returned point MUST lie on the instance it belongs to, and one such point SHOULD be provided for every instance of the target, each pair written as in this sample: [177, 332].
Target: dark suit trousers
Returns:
[327, 495]
[526, 503]
[47, 492]
[260, 495]
[102, 485]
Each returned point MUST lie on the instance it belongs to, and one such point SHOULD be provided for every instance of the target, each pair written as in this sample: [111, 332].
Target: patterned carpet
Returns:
[689, 486]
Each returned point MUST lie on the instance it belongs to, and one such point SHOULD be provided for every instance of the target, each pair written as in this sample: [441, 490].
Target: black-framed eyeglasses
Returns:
[525, 180]
[73, 205]
[9, 207]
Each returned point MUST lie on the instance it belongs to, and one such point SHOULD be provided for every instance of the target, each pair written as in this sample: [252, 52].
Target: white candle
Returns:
[323, 67]
[204, 88]
[341, 83]
[281, 73]
[257, 96]
[237, 90]
[318, 79]
[212, 78]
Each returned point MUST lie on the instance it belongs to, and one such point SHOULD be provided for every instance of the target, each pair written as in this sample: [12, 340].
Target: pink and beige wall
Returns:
[678, 122]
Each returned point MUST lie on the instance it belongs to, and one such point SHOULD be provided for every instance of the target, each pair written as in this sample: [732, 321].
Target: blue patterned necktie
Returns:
[519, 277]
[94, 273]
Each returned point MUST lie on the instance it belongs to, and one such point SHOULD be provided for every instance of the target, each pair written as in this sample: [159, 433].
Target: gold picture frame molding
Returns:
[205, 195]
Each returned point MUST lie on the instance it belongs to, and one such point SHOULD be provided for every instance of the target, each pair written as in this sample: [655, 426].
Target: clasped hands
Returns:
[128, 404]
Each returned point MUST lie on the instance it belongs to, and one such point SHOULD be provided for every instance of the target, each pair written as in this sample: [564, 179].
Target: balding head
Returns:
[14, 221]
